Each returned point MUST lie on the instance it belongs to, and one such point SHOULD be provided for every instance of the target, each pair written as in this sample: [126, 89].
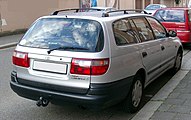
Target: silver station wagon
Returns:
[93, 59]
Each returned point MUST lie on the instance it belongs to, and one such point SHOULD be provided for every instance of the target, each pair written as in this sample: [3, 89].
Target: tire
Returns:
[178, 62]
[133, 101]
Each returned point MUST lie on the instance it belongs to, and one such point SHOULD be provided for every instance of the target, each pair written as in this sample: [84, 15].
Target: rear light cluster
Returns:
[89, 66]
[20, 59]
[78, 65]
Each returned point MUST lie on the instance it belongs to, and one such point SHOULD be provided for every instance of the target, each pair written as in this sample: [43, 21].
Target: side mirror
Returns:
[172, 33]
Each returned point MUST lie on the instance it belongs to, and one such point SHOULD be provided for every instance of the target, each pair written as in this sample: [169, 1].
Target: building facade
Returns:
[19, 14]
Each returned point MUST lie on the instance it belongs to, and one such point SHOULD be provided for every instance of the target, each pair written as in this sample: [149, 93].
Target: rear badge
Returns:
[47, 58]
[79, 77]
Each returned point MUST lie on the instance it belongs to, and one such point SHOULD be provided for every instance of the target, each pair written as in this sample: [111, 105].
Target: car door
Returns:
[166, 43]
[150, 49]
[125, 58]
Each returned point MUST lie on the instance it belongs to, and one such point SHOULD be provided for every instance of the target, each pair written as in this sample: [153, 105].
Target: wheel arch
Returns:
[130, 101]
[180, 49]
[142, 72]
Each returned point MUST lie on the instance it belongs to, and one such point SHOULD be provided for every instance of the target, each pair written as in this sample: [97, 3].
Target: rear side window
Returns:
[70, 34]
[143, 28]
[170, 15]
[123, 32]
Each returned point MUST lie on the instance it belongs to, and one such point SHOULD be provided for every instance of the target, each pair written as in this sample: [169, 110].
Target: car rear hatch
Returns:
[176, 26]
[173, 19]
[60, 54]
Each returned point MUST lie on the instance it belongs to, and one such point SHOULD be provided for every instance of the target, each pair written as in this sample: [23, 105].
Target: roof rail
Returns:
[57, 11]
[75, 10]
[106, 14]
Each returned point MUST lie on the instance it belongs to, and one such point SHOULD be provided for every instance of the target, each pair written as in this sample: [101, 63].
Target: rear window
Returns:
[66, 33]
[170, 15]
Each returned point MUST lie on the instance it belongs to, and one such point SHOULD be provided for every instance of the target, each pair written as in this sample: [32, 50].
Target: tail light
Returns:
[20, 59]
[89, 66]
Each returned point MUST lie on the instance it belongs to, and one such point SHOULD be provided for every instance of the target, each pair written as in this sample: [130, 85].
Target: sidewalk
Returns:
[173, 101]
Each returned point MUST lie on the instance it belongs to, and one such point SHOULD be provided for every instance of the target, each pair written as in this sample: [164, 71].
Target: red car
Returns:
[177, 19]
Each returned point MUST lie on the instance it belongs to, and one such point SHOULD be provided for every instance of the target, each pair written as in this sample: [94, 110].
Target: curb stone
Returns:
[7, 33]
[8, 45]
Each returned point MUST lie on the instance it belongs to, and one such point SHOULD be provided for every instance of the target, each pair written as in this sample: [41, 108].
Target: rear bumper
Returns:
[185, 37]
[98, 96]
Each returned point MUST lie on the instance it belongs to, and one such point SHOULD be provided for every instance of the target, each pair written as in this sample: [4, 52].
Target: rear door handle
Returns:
[144, 54]
[162, 47]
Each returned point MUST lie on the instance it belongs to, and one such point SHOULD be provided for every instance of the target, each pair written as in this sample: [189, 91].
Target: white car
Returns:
[189, 3]
[151, 8]
[104, 8]
[95, 60]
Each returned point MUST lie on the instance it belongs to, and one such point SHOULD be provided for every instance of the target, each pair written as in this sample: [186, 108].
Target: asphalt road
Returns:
[13, 107]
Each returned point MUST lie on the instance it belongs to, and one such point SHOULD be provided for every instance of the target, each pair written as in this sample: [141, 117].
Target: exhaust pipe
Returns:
[42, 102]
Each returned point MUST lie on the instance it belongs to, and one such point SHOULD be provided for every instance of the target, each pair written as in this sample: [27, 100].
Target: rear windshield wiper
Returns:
[66, 48]
[161, 17]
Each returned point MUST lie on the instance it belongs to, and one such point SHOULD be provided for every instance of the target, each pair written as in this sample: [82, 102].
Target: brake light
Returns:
[89, 66]
[20, 59]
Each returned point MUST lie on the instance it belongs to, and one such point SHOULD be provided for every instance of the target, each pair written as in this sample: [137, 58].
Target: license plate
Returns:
[50, 67]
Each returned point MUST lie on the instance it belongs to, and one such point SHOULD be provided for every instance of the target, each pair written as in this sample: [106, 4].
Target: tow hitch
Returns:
[42, 102]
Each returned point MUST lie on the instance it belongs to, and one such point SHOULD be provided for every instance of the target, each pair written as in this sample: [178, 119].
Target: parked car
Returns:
[189, 3]
[177, 19]
[151, 8]
[83, 10]
[103, 8]
[95, 59]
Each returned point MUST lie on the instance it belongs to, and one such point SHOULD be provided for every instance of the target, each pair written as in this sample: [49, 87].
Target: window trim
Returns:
[159, 23]
[135, 41]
